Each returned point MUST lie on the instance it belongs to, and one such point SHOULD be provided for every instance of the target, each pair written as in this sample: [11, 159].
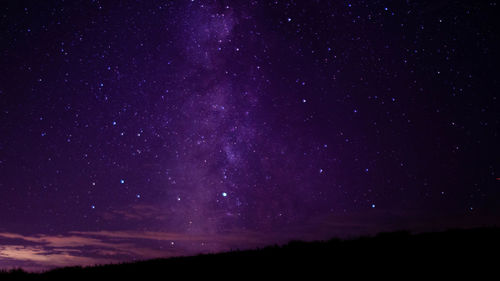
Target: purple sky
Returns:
[162, 128]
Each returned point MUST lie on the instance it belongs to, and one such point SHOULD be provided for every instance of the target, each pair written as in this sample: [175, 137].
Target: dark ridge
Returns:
[399, 254]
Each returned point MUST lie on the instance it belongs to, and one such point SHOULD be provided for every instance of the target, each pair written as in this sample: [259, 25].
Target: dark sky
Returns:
[140, 129]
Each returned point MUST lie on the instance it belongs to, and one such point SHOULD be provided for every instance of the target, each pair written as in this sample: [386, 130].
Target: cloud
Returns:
[58, 241]
[247, 237]
[136, 213]
[41, 252]
[43, 257]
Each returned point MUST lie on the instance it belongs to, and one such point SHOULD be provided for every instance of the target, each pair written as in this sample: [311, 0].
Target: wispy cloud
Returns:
[247, 237]
[38, 252]
[38, 256]
[58, 241]
[135, 213]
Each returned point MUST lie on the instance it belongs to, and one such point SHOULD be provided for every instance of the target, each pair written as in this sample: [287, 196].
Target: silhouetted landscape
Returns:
[450, 252]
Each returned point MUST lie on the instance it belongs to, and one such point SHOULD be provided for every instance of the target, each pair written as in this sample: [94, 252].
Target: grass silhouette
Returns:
[398, 254]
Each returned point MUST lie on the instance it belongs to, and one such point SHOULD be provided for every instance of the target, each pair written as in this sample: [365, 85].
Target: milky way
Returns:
[135, 130]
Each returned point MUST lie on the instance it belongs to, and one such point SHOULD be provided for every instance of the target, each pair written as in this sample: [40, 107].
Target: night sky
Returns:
[138, 129]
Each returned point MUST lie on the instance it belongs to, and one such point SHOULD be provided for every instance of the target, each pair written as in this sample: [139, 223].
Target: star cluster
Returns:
[241, 123]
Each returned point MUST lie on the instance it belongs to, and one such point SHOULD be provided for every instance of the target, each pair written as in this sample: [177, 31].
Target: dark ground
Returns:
[471, 252]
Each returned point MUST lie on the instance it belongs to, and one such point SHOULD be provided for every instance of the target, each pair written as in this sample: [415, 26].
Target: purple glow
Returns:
[140, 130]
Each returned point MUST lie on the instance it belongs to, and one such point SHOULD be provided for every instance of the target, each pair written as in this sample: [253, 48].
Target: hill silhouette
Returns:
[398, 254]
